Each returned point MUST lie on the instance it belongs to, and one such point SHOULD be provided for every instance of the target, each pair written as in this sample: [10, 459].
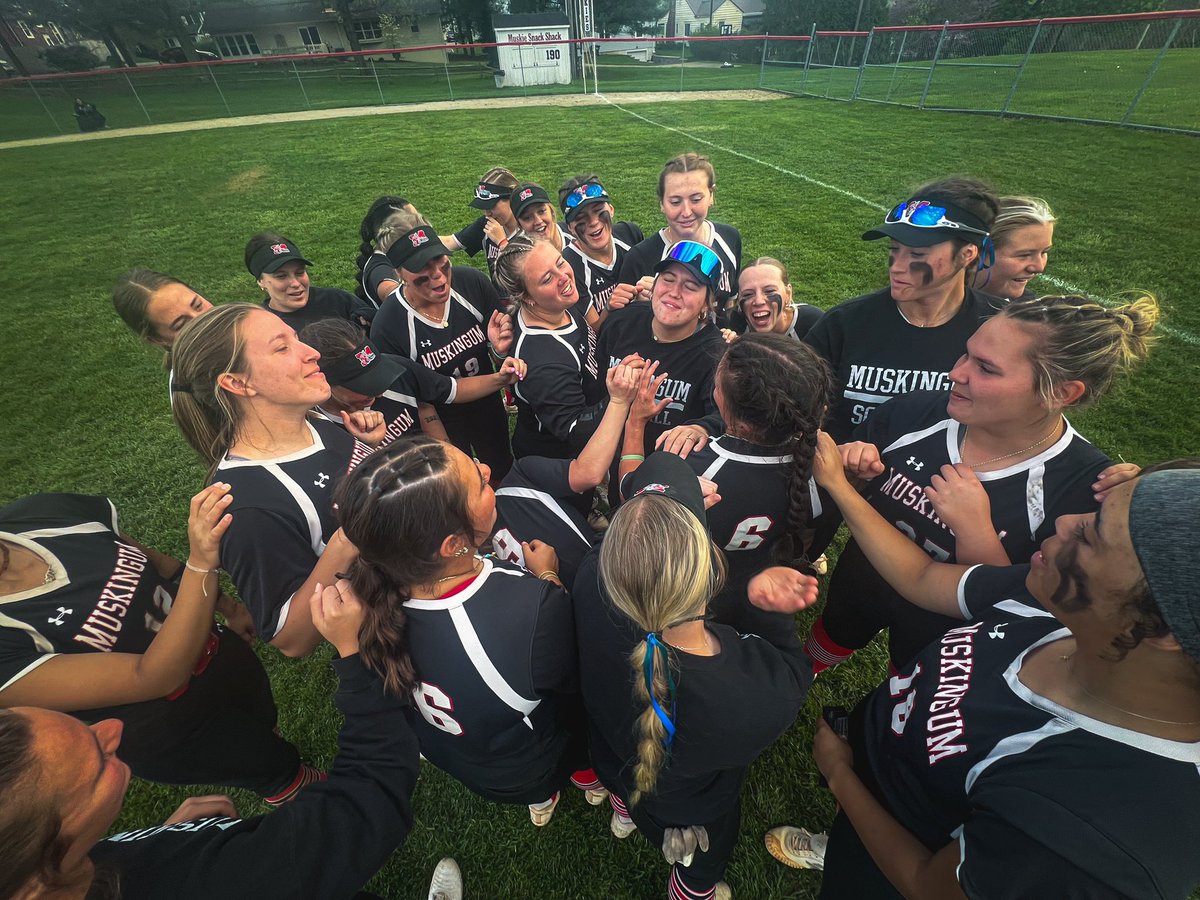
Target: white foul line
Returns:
[1185, 336]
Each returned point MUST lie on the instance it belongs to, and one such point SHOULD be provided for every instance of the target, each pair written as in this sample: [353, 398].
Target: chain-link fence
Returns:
[1140, 70]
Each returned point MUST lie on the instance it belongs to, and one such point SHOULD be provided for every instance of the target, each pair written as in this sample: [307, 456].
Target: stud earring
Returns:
[462, 551]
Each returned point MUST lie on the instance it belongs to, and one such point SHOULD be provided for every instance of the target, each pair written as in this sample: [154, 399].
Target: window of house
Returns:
[310, 36]
[726, 29]
[236, 45]
[416, 25]
[368, 30]
[25, 29]
[171, 42]
[687, 28]
[57, 32]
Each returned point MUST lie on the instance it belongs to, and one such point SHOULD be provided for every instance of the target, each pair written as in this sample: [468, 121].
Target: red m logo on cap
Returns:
[418, 238]
[365, 356]
[525, 194]
[279, 248]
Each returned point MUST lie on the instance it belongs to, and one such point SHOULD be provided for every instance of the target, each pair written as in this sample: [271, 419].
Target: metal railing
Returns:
[1138, 70]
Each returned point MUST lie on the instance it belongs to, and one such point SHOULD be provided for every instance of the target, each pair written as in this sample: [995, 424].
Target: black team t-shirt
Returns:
[726, 243]
[595, 280]
[876, 355]
[327, 303]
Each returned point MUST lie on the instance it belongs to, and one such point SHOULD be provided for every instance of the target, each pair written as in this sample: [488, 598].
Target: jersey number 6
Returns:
[750, 533]
[435, 704]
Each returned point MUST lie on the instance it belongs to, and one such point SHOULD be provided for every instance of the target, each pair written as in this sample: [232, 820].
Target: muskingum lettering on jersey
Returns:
[677, 390]
[876, 380]
[900, 487]
[103, 626]
[221, 822]
[396, 428]
[945, 726]
[590, 364]
[466, 341]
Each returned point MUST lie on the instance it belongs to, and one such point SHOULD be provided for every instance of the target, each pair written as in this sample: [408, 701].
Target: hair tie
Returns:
[653, 644]
[178, 388]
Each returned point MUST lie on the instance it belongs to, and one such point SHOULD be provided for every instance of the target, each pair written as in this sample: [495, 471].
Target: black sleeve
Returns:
[826, 338]
[471, 237]
[899, 416]
[429, 386]
[268, 559]
[376, 271]
[545, 474]
[328, 842]
[982, 587]
[58, 510]
[481, 291]
[635, 265]
[712, 423]
[1000, 859]
[388, 325]
[555, 665]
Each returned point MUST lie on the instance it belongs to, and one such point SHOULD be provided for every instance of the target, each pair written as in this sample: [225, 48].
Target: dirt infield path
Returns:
[441, 106]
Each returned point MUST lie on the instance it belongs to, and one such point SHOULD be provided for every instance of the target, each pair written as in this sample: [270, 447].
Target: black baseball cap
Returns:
[269, 257]
[488, 195]
[526, 194]
[579, 197]
[414, 249]
[665, 473]
[365, 371]
[929, 220]
[701, 261]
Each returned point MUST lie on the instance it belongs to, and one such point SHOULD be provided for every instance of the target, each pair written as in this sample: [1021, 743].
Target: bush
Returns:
[71, 58]
[731, 51]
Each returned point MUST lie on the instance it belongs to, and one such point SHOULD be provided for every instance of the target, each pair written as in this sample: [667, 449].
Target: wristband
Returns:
[205, 572]
[635, 456]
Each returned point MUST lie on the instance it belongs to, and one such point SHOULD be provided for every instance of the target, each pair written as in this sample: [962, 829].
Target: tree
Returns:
[469, 21]
[534, 6]
[632, 16]
[798, 16]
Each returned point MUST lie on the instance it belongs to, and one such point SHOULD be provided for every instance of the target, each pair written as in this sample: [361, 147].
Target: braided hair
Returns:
[776, 390]
[397, 507]
[510, 268]
[380, 210]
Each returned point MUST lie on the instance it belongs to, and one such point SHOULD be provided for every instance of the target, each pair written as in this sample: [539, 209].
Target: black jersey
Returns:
[916, 438]
[327, 303]
[726, 243]
[1043, 801]
[357, 817]
[729, 707]
[806, 316]
[376, 270]
[398, 404]
[559, 399]
[594, 280]
[282, 516]
[690, 364]
[535, 502]
[750, 519]
[456, 346]
[495, 663]
[470, 238]
[106, 596]
[876, 354]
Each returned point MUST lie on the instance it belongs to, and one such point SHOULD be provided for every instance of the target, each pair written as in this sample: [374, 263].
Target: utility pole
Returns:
[858, 18]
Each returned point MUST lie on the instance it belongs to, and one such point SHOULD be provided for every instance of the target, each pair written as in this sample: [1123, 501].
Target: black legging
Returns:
[220, 731]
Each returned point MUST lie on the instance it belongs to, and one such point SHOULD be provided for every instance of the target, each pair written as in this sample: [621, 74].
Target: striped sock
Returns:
[677, 890]
[305, 776]
[823, 650]
[619, 807]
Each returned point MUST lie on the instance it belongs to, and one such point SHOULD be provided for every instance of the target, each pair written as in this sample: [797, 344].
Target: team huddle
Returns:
[557, 520]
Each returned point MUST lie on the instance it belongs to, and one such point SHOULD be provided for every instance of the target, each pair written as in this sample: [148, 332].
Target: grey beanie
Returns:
[1164, 527]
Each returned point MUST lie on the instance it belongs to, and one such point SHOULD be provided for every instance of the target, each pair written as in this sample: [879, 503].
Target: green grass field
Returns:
[1091, 85]
[85, 406]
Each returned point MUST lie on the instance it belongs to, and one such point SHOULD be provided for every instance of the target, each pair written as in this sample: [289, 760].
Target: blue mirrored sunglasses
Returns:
[589, 191]
[923, 214]
[697, 255]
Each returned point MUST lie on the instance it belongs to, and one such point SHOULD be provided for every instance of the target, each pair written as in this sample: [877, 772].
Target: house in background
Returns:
[257, 29]
[726, 16]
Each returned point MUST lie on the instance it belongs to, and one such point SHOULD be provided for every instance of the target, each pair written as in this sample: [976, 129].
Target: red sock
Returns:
[677, 890]
[823, 650]
[618, 806]
[586, 780]
[306, 775]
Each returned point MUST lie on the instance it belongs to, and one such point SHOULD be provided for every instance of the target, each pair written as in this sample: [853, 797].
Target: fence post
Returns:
[446, 66]
[862, 67]
[1012, 91]
[896, 66]
[521, 66]
[1153, 70]
[213, 76]
[133, 90]
[833, 67]
[762, 67]
[300, 80]
[33, 88]
[682, 57]
[812, 39]
[378, 86]
[933, 65]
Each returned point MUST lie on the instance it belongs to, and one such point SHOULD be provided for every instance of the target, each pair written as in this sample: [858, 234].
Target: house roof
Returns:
[530, 20]
[702, 9]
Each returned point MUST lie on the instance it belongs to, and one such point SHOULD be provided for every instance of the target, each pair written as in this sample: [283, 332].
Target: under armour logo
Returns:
[426, 343]
[912, 461]
[322, 478]
[997, 631]
[62, 611]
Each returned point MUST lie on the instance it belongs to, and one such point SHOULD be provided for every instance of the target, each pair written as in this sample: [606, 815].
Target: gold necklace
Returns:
[988, 462]
[474, 570]
[1120, 709]
[704, 646]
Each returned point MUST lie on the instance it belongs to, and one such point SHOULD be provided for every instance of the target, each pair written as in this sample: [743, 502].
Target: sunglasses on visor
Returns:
[923, 214]
[486, 192]
[588, 191]
[694, 254]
